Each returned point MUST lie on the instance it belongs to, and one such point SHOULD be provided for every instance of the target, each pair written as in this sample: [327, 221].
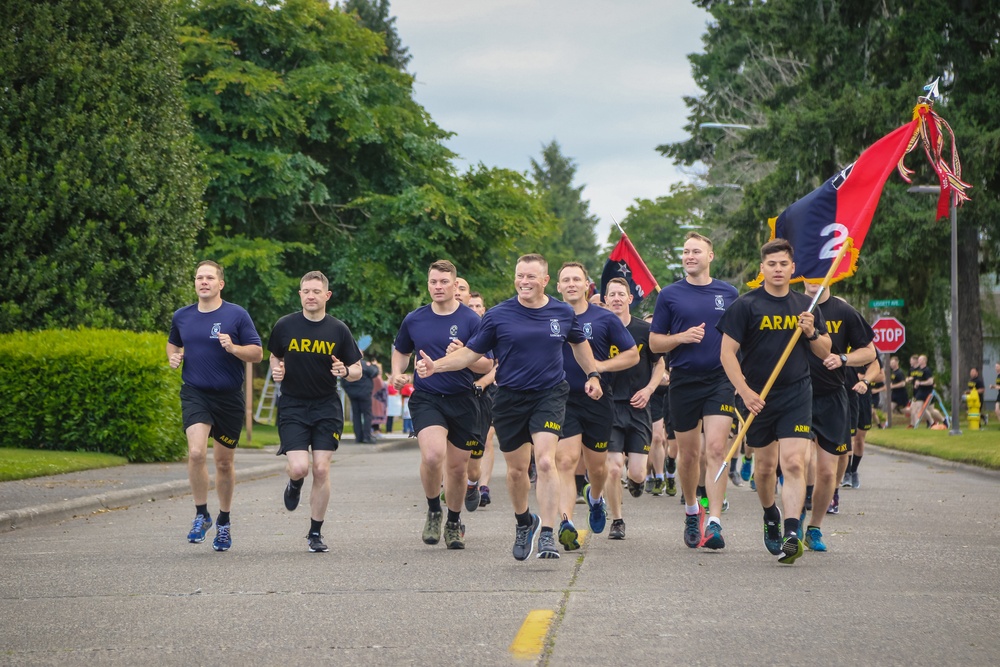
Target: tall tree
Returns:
[575, 240]
[100, 195]
[817, 82]
[374, 15]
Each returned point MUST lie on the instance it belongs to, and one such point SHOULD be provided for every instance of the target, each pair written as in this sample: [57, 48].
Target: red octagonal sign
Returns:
[890, 334]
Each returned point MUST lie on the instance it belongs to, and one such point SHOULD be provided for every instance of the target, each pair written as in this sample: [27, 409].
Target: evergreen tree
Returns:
[100, 195]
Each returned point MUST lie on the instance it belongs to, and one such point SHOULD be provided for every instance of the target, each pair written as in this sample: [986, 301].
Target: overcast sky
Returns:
[604, 79]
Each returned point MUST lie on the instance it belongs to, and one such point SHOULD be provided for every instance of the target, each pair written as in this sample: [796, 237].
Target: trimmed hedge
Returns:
[90, 390]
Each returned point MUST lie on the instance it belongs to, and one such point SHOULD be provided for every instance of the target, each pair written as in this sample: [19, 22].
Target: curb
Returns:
[395, 445]
[68, 509]
[934, 461]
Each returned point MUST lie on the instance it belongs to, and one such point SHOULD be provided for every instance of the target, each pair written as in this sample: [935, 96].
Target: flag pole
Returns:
[784, 356]
[617, 225]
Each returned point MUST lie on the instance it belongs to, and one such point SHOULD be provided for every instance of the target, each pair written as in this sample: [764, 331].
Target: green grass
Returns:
[980, 448]
[26, 463]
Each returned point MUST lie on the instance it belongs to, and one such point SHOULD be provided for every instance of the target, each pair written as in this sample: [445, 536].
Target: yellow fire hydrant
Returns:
[973, 404]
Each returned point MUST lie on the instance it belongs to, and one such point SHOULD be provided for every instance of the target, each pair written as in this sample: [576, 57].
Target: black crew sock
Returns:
[523, 519]
[546, 529]
[702, 493]
[809, 491]
[315, 527]
[772, 514]
[454, 517]
[732, 463]
[855, 462]
[434, 504]
[223, 519]
[202, 510]
[581, 481]
[792, 526]
[671, 465]
[297, 483]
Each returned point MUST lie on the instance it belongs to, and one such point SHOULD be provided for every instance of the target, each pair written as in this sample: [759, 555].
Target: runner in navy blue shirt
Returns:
[526, 334]
[444, 407]
[701, 397]
[587, 426]
[310, 350]
[759, 325]
[632, 426]
[213, 340]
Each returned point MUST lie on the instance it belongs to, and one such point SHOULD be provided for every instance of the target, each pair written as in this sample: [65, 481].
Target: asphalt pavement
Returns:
[97, 571]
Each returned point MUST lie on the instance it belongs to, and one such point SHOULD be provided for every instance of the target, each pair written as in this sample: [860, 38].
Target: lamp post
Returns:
[956, 396]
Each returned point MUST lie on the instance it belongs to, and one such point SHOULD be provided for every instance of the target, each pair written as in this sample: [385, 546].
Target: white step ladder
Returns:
[268, 399]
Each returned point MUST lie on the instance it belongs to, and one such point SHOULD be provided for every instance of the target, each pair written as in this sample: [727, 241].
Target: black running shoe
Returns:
[472, 497]
[772, 536]
[692, 528]
[547, 545]
[292, 496]
[791, 549]
[617, 531]
[316, 543]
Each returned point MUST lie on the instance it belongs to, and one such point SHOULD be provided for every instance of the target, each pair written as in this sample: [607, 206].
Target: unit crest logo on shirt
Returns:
[554, 327]
[453, 331]
[720, 302]
[588, 330]
[216, 328]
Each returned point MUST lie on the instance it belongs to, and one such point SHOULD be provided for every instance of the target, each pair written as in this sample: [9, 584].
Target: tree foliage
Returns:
[374, 15]
[100, 195]
[818, 82]
[575, 240]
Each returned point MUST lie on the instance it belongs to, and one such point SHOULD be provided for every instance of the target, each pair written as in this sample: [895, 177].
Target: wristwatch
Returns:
[594, 374]
[814, 336]
[477, 389]
[843, 359]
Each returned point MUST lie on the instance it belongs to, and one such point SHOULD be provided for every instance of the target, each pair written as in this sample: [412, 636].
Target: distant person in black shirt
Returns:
[309, 351]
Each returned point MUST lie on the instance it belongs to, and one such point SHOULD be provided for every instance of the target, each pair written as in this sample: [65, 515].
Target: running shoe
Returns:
[223, 540]
[692, 528]
[524, 539]
[772, 535]
[814, 539]
[734, 477]
[846, 482]
[855, 480]
[713, 536]
[834, 507]
[532, 473]
[199, 528]
[292, 496]
[598, 512]
[791, 549]
[649, 485]
[753, 484]
[659, 485]
[316, 543]
[432, 528]
[484, 496]
[617, 531]
[472, 497]
[580, 500]
[670, 486]
[634, 488]
[746, 468]
[725, 505]
[809, 503]
[547, 545]
[569, 536]
[454, 533]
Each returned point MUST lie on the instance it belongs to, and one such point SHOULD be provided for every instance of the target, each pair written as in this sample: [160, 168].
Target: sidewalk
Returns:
[56, 497]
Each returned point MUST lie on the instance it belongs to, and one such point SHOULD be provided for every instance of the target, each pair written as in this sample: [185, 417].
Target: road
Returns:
[912, 578]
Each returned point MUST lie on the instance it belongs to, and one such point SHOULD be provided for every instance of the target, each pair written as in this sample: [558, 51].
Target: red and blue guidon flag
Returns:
[626, 263]
[842, 208]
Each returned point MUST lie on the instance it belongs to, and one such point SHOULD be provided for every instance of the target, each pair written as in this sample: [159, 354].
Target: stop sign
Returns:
[890, 334]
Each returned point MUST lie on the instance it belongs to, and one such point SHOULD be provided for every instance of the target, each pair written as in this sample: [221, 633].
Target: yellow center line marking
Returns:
[530, 639]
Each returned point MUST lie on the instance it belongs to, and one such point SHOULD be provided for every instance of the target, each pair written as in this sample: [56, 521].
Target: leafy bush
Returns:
[90, 390]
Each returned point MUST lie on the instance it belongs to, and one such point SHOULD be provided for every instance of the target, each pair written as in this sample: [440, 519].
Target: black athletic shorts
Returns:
[695, 396]
[486, 409]
[829, 422]
[590, 418]
[787, 414]
[518, 414]
[632, 431]
[852, 406]
[864, 421]
[310, 422]
[460, 414]
[658, 405]
[223, 410]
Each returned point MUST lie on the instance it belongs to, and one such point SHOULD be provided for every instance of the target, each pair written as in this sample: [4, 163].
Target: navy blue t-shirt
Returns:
[206, 365]
[763, 324]
[679, 307]
[527, 342]
[423, 329]
[607, 336]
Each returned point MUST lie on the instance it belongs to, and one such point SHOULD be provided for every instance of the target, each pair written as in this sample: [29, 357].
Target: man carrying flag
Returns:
[626, 263]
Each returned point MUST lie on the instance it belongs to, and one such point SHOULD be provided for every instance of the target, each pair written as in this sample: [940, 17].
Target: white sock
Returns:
[691, 509]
